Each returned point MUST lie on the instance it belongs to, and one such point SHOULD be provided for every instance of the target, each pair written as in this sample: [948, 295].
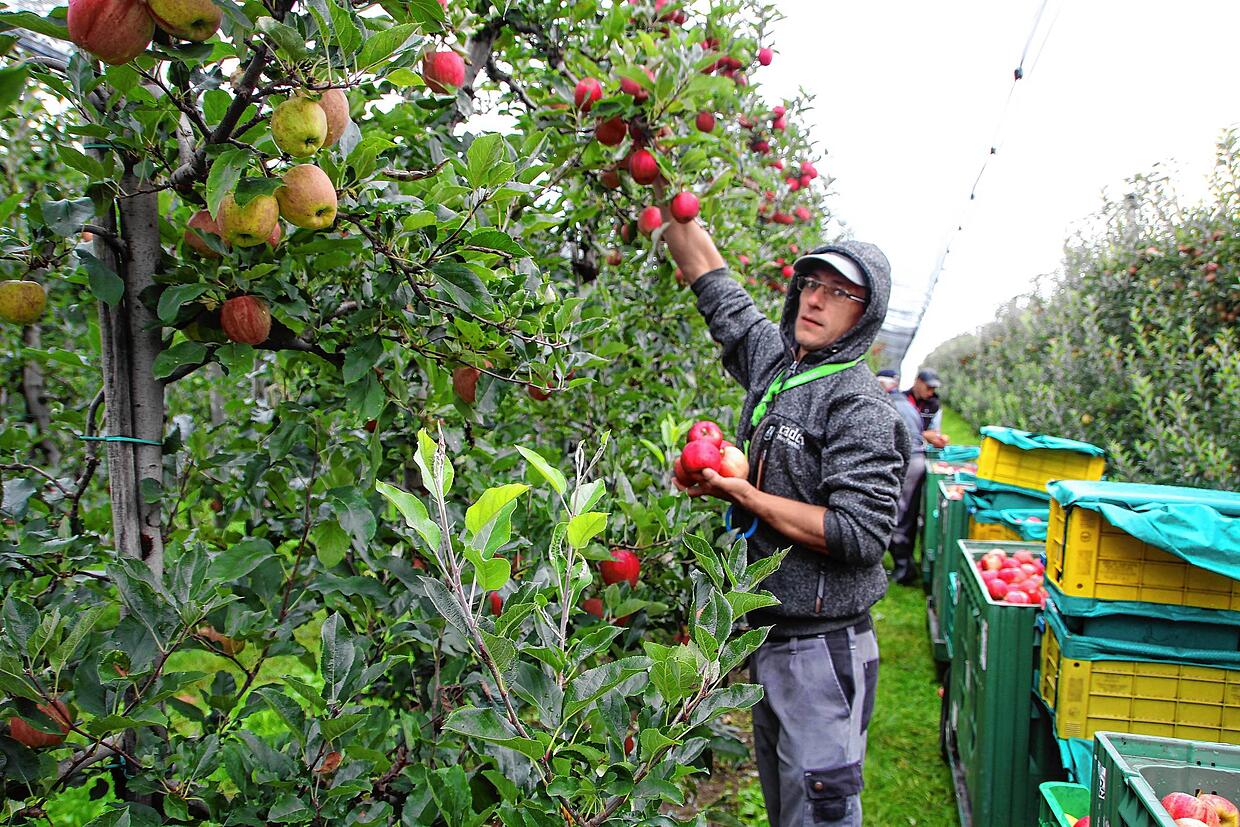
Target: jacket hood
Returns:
[856, 342]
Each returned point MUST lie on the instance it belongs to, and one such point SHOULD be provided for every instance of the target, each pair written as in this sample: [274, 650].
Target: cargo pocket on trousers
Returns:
[828, 791]
[871, 687]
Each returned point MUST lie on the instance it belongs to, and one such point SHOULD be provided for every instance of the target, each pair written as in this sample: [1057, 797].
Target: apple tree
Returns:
[333, 397]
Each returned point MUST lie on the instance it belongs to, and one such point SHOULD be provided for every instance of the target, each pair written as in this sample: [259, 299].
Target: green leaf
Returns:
[289, 809]
[225, 173]
[584, 527]
[445, 603]
[347, 35]
[287, 39]
[34, 23]
[728, 699]
[21, 620]
[490, 503]
[652, 740]
[88, 166]
[337, 660]
[758, 571]
[487, 725]
[744, 602]
[330, 543]
[334, 728]
[496, 241]
[707, 559]
[493, 574]
[252, 187]
[550, 474]
[590, 685]
[215, 103]
[171, 300]
[502, 651]
[483, 153]
[241, 559]
[586, 496]
[380, 45]
[65, 218]
[414, 513]
[429, 14]
[738, 648]
[437, 473]
[85, 625]
[463, 286]
[182, 353]
[12, 83]
[105, 285]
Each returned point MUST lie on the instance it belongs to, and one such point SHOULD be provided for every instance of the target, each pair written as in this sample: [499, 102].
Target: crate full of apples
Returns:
[1200, 810]
[1014, 578]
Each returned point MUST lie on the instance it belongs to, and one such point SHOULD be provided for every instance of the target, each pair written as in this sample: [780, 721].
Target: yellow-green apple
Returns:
[187, 19]
[25, 734]
[249, 225]
[299, 126]
[22, 302]
[307, 197]
[115, 31]
[1228, 814]
[246, 319]
[201, 224]
[336, 107]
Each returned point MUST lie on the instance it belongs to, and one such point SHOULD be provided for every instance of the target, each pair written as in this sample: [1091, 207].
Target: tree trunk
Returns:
[135, 399]
[35, 392]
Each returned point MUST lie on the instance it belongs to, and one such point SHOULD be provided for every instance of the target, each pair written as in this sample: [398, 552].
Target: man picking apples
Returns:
[827, 456]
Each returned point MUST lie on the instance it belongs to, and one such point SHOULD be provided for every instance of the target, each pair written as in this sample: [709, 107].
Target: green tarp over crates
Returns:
[1027, 441]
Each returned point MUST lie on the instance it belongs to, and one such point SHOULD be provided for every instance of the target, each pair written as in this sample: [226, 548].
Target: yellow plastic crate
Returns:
[1032, 470]
[993, 531]
[1168, 700]
[1088, 557]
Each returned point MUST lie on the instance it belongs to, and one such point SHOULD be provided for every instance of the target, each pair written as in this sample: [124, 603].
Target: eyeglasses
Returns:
[839, 295]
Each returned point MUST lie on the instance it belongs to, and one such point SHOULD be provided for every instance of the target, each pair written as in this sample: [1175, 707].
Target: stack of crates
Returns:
[1012, 472]
[952, 523]
[998, 741]
[1139, 640]
[1132, 774]
[940, 467]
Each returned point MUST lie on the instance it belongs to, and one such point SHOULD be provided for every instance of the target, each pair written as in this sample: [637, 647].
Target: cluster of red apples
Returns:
[706, 448]
[1016, 578]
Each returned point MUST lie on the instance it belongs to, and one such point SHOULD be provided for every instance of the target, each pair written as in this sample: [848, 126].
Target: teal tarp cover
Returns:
[1029, 523]
[1198, 525]
[1028, 441]
[1003, 500]
[958, 453]
[1094, 608]
[1028, 494]
[1091, 647]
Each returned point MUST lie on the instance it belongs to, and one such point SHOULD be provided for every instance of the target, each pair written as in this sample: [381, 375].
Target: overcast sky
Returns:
[909, 96]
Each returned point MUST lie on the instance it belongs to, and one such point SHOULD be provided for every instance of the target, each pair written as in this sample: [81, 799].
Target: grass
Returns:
[959, 431]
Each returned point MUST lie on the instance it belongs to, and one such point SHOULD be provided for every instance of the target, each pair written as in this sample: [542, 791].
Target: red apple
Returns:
[115, 31]
[1081, 822]
[1228, 814]
[27, 735]
[707, 430]
[610, 179]
[611, 132]
[1011, 575]
[1023, 556]
[643, 166]
[765, 56]
[623, 565]
[780, 123]
[650, 220]
[705, 122]
[594, 606]
[1018, 597]
[587, 91]
[443, 71]
[685, 207]
[1010, 563]
[699, 455]
[1029, 569]
[681, 475]
[734, 463]
[778, 112]
[1182, 805]
[1190, 822]
[497, 604]
[246, 319]
[803, 213]
[786, 271]
[997, 589]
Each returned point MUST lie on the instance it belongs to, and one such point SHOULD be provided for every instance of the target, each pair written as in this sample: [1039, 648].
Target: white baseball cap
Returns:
[844, 265]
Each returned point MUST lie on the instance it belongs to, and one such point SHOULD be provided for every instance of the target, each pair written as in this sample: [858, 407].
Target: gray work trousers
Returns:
[810, 727]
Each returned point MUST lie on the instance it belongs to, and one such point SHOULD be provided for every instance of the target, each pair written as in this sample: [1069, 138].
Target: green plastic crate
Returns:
[1062, 803]
[930, 526]
[1133, 772]
[953, 523]
[993, 723]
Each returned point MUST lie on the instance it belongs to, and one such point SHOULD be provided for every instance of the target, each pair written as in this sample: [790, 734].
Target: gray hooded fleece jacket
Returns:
[834, 442]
